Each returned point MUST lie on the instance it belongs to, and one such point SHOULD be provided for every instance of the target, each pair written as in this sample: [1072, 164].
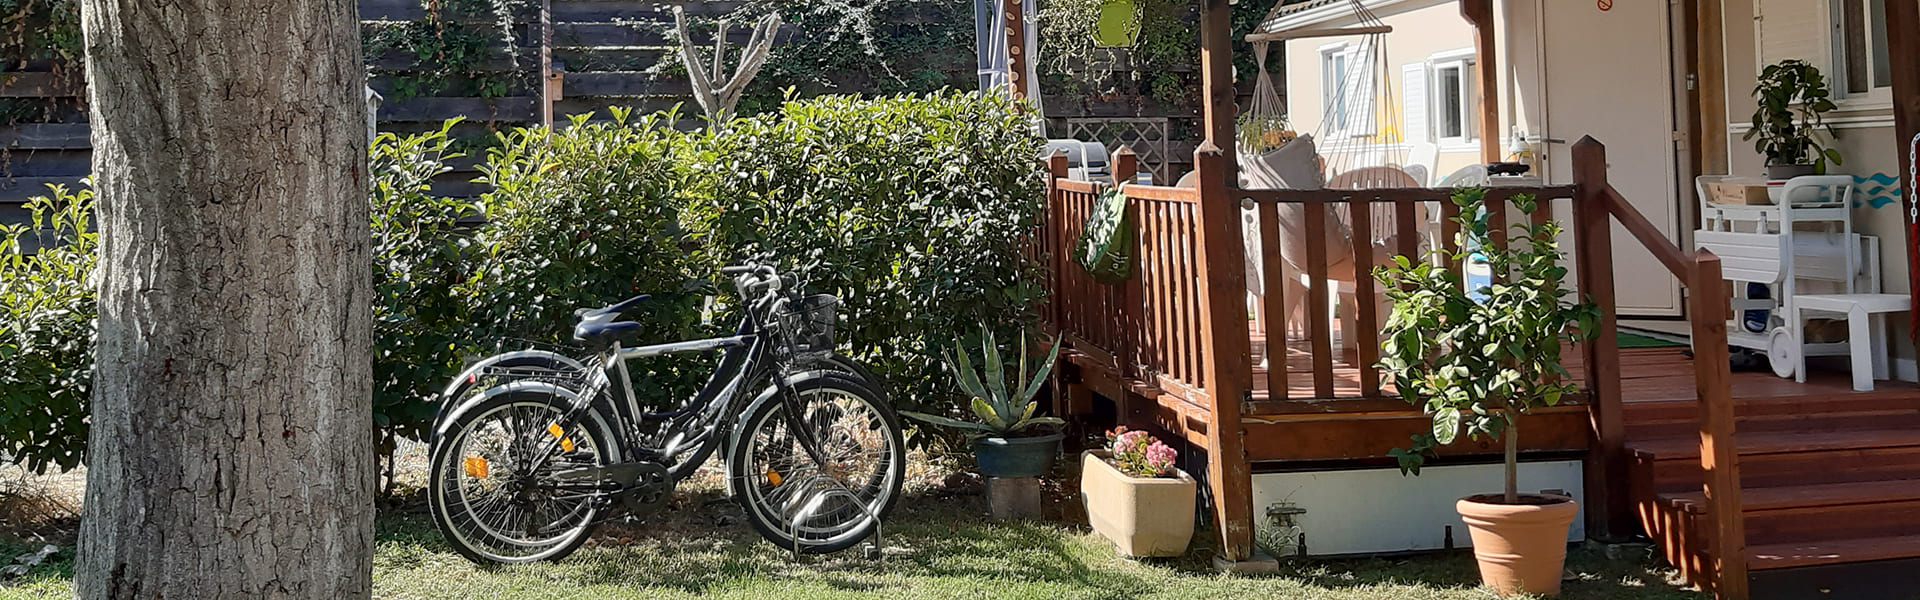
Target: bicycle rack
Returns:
[874, 549]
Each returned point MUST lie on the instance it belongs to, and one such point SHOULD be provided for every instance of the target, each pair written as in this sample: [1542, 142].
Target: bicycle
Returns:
[534, 448]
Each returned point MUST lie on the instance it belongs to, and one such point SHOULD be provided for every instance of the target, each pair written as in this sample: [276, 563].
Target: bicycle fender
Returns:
[521, 358]
[571, 399]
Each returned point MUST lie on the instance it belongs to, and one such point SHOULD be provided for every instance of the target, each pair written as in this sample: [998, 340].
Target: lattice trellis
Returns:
[1147, 136]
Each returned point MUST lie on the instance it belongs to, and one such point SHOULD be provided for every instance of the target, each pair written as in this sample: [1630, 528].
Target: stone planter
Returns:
[1143, 516]
[1522, 548]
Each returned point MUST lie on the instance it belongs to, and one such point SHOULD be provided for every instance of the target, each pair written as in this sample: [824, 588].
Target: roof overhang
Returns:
[1335, 12]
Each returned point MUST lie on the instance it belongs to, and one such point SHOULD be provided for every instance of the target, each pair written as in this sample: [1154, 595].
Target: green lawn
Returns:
[942, 547]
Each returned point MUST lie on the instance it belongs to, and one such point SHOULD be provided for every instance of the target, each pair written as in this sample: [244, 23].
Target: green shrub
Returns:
[588, 216]
[914, 210]
[421, 257]
[46, 342]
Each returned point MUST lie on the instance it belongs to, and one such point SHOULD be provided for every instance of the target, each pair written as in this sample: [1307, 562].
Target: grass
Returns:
[940, 546]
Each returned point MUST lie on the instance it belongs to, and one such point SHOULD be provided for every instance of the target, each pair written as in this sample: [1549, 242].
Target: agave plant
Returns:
[1000, 413]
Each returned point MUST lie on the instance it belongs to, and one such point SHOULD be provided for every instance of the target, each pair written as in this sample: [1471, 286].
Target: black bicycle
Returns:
[534, 448]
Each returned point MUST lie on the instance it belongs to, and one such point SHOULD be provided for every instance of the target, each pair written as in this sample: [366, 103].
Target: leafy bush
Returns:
[46, 342]
[913, 209]
[421, 257]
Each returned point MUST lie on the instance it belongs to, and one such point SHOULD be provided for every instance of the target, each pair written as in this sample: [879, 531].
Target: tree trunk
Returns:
[232, 445]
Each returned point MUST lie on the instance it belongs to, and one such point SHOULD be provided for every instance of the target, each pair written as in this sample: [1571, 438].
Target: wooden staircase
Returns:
[1829, 490]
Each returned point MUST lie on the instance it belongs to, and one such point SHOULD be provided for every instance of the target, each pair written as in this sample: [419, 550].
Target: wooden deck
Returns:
[1646, 375]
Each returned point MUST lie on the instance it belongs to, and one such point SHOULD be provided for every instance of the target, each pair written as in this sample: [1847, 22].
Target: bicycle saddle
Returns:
[600, 328]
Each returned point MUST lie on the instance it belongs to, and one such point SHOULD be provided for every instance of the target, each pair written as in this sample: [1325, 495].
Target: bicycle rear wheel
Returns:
[490, 488]
[819, 508]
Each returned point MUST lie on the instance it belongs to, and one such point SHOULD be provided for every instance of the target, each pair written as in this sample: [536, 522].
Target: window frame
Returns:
[1464, 62]
[1333, 89]
[1839, 42]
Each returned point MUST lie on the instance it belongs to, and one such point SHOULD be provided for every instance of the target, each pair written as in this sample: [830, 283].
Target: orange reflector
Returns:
[475, 466]
[566, 445]
[773, 477]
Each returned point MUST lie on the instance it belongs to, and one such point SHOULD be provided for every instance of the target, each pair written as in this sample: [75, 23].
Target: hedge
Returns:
[913, 209]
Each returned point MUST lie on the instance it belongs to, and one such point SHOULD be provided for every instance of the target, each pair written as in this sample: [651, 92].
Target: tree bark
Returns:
[232, 440]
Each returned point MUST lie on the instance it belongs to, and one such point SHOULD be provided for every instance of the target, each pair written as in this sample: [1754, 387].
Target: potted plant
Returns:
[1479, 360]
[1136, 497]
[1008, 440]
[1793, 98]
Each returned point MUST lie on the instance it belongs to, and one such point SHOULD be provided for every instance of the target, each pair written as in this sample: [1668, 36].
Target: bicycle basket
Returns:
[807, 325]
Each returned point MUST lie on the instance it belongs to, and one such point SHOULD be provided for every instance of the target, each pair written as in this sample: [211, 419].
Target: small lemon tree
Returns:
[1479, 359]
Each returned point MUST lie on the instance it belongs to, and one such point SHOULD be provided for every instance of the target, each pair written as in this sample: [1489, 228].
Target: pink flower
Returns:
[1160, 458]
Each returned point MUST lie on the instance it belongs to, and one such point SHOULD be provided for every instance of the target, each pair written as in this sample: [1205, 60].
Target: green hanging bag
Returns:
[1106, 243]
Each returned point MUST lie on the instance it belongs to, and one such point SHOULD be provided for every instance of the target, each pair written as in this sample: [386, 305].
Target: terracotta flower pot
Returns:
[1144, 516]
[1522, 548]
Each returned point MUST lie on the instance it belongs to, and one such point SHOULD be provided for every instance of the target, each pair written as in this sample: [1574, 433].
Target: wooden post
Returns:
[1126, 165]
[1480, 14]
[1228, 370]
[1016, 26]
[1133, 327]
[1609, 510]
[1719, 455]
[548, 83]
[1903, 54]
[1055, 228]
[1056, 232]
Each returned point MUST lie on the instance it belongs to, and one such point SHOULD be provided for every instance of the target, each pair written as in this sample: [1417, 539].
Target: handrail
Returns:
[1495, 195]
[1676, 260]
[1700, 272]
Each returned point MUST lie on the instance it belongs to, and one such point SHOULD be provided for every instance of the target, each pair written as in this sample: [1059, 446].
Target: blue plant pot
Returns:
[1016, 457]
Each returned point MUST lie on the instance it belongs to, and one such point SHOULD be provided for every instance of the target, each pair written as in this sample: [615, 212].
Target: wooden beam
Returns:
[1903, 53]
[1299, 34]
[1480, 14]
[1609, 510]
[1710, 81]
[1225, 344]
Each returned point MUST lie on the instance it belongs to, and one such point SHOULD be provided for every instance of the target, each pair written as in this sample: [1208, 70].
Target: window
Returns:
[1347, 83]
[1452, 107]
[1335, 88]
[1859, 46]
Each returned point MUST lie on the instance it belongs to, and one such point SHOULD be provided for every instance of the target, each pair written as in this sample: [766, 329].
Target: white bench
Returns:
[1866, 330]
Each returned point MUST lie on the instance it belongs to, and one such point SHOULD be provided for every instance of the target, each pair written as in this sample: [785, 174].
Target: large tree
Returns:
[232, 451]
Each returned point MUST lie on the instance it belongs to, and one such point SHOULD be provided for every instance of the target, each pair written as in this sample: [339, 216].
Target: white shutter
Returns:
[1414, 127]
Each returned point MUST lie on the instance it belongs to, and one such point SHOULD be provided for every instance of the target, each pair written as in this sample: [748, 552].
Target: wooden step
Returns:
[1775, 459]
[1783, 556]
[1888, 398]
[1806, 496]
[1806, 422]
[1813, 513]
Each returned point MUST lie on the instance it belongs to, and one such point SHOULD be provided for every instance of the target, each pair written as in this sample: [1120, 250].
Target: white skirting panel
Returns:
[1372, 511]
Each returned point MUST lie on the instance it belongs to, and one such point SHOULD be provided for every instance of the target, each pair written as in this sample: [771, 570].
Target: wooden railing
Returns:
[1149, 325]
[1408, 220]
[1707, 307]
[1159, 331]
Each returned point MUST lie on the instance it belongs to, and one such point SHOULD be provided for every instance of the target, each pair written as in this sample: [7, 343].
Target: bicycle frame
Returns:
[699, 424]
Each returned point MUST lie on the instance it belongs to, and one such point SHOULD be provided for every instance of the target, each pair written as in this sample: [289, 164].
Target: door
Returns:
[1609, 74]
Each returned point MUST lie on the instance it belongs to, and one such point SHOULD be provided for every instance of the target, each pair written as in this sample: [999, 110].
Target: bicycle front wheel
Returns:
[823, 507]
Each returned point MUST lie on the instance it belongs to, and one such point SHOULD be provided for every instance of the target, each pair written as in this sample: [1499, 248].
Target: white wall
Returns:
[1762, 32]
[1422, 29]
